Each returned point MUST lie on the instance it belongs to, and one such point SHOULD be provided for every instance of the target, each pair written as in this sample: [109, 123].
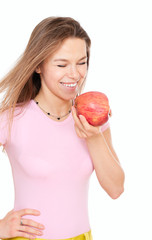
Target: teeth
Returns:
[69, 85]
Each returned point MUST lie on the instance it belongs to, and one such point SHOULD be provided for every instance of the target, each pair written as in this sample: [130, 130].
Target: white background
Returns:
[120, 66]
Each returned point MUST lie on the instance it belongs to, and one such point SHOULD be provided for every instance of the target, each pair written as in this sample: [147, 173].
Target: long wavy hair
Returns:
[22, 83]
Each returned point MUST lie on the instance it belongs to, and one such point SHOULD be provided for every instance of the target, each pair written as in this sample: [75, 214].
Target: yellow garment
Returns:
[84, 236]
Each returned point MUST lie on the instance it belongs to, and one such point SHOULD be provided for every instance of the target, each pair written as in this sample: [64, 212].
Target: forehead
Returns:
[75, 47]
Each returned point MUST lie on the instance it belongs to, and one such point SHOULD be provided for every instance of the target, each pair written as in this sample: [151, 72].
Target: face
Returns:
[63, 73]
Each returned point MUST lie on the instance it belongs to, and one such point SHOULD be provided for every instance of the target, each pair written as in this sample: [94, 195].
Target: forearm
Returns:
[106, 165]
[0, 228]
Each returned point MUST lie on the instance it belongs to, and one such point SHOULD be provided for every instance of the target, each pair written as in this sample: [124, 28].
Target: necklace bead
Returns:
[58, 118]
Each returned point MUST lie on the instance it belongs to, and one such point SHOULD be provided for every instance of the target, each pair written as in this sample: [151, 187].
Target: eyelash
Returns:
[78, 64]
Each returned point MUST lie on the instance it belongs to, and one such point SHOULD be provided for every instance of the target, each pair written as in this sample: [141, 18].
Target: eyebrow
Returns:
[65, 60]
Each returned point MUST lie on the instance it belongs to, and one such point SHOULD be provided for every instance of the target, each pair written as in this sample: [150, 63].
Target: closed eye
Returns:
[61, 65]
[65, 65]
[82, 63]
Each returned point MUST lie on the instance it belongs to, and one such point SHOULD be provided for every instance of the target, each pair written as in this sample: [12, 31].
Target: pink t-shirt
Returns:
[51, 168]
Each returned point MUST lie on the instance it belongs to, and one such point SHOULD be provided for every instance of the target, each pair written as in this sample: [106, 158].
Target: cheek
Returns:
[83, 71]
[58, 74]
[51, 76]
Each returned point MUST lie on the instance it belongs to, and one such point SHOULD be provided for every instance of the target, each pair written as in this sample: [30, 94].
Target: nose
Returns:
[73, 73]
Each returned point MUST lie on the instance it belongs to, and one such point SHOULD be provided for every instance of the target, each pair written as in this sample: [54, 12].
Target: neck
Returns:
[56, 107]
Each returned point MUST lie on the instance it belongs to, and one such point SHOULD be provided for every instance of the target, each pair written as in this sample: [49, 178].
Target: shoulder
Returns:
[19, 108]
[8, 119]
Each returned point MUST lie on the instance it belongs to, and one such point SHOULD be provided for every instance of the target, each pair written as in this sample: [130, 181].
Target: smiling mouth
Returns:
[69, 85]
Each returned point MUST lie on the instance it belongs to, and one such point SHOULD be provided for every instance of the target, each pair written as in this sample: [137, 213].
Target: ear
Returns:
[38, 69]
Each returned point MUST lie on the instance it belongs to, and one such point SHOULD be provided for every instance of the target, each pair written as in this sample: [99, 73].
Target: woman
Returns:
[52, 151]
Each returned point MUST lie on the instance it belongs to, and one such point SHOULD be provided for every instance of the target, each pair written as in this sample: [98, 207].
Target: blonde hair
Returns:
[22, 83]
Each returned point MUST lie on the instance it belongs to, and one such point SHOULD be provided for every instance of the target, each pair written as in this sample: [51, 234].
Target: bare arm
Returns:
[106, 163]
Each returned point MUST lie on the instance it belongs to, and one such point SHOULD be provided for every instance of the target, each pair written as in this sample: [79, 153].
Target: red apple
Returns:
[94, 106]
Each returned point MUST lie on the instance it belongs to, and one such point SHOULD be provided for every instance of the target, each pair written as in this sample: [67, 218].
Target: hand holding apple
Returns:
[94, 106]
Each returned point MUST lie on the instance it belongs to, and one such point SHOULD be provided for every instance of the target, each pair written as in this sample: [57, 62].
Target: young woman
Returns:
[52, 151]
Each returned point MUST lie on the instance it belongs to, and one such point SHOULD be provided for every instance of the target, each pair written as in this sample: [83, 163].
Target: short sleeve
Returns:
[3, 127]
[104, 126]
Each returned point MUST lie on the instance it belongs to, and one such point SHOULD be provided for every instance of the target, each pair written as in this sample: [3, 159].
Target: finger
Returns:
[28, 211]
[89, 129]
[77, 131]
[32, 223]
[81, 121]
[30, 230]
[80, 133]
[84, 122]
[26, 235]
[74, 112]
[76, 119]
